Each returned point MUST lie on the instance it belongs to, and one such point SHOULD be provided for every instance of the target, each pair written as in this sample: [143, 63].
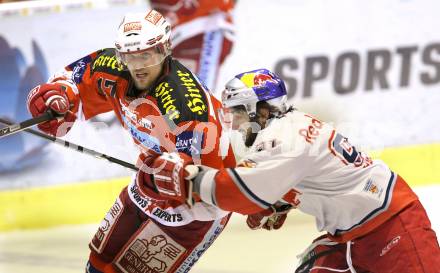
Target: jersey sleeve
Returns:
[251, 187]
[84, 91]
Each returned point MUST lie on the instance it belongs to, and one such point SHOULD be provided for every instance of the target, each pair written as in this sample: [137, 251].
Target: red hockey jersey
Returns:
[176, 114]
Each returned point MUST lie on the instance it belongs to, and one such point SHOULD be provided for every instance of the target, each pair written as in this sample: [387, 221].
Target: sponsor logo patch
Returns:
[100, 239]
[105, 63]
[133, 117]
[165, 100]
[132, 44]
[210, 237]
[151, 251]
[143, 138]
[372, 188]
[189, 142]
[153, 17]
[180, 97]
[135, 196]
[195, 100]
[390, 245]
[166, 216]
[78, 68]
[132, 26]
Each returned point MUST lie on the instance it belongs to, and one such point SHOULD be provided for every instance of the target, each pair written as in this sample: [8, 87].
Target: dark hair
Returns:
[250, 138]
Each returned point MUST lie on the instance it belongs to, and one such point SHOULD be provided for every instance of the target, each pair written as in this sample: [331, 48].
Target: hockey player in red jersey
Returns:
[374, 221]
[203, 34]
[165, 108]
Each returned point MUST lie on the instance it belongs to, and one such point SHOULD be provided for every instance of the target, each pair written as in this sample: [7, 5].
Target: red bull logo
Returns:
[256, 79]
[259, 79]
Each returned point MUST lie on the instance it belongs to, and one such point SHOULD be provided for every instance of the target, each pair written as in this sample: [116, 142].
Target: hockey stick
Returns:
[75, 147]
[191, 169]
[15, 128]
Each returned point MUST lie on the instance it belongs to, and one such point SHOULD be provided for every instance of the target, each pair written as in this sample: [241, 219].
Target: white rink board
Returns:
[298, 38]
[237, 250]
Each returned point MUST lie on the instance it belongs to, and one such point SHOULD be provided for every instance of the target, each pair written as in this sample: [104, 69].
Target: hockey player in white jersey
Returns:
[374, 221]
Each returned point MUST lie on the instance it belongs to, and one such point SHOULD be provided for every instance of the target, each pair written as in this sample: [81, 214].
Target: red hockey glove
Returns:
[145, 174]
[170, 177]
[145, 160]
[51, 96]
[271, 218]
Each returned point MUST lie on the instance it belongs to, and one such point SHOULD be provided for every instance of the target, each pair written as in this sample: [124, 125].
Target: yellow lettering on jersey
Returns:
[194, 102]
[163, 92]
[107, 61]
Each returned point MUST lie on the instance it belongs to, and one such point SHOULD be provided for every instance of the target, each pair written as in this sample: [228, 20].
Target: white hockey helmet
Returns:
[141, 32]
[242, 97]
[249, 88]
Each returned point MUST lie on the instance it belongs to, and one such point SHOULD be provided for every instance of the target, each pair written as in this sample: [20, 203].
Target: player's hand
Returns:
[170, 177]
[51, 97]
[271, 218]
[145, 174]
[145, 160]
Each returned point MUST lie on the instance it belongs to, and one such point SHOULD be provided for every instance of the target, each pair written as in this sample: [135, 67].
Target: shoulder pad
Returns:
[180, 96]
[106, 62]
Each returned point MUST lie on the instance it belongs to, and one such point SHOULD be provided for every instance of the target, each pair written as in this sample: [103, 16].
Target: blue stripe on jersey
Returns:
[385, 204]
[246, 191]
[91, 269]
[145, 139]
[210, 236]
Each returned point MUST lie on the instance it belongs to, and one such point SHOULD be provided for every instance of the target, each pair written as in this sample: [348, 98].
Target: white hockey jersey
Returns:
[303, 161]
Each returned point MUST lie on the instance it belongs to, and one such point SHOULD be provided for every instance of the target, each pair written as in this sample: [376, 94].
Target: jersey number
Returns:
[106, 85]
[348, 154]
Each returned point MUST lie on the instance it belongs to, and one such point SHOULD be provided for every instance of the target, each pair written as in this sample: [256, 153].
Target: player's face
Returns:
[235, 118]
[144, 77]
[144, 67]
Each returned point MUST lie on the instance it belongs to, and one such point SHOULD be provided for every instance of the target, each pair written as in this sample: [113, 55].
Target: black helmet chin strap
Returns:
[252, 135]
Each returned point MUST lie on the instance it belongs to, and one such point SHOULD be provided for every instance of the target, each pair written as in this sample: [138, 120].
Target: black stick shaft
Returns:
[75, 147]
[15, 128]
